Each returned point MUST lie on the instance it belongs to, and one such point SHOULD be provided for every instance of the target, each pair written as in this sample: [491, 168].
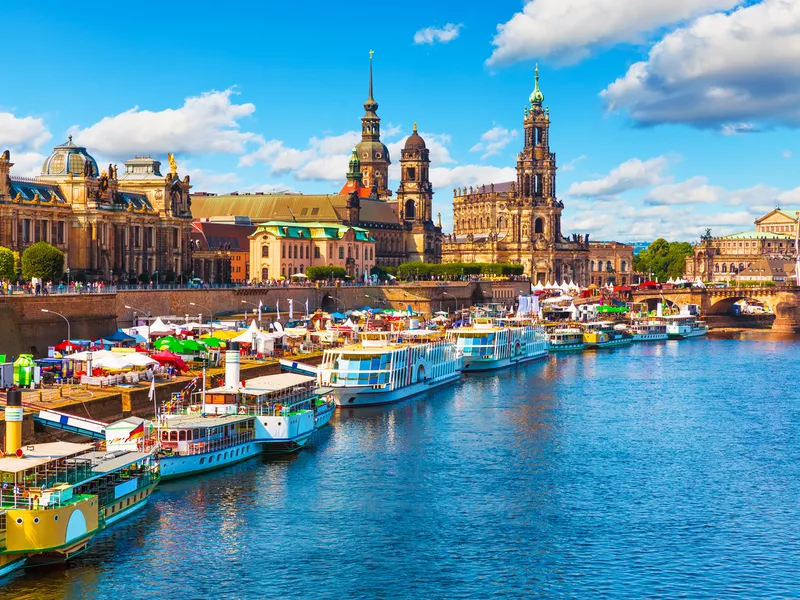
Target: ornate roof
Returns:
[415, 141]
[537, 97]
[29, 189]
[69, 158]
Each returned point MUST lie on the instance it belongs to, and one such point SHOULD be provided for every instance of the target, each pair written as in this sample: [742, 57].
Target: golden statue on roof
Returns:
[173, 166]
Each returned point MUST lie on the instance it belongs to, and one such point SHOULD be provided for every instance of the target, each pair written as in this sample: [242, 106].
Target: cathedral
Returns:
[111, 226]
[520, 221]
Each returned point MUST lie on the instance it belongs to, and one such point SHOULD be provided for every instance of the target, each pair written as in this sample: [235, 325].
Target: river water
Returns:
[659, 470]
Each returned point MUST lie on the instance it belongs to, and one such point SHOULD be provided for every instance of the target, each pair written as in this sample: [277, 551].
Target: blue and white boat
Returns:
[488, 345]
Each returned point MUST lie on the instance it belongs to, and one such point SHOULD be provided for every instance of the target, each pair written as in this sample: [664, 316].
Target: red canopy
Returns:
[649, 284]
[165, 358]
[65, 345]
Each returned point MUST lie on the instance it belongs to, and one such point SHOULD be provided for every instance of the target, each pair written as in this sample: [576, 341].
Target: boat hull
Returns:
[365, 396]
[472, 364]
[649, 337]
[607, 344]
[576, 347]
[174, 467]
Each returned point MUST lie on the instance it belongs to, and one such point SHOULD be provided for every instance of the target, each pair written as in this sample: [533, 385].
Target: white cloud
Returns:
[692, 191]
[204, 180]
[570, 165]
[493, 141]
[431, 35]
[790, 197]
[205, 124]
[567, 30]
[630, 175]
[786, 154]
[737, 128]
[27, 164]
[719, 71]
[22, 132]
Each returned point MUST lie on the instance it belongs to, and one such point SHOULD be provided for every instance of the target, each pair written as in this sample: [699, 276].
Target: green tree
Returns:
[8, 265]
[323, 273]
[663, 259]
[383, 273]
[43, 261]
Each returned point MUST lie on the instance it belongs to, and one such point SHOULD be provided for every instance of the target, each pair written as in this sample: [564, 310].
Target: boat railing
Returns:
[195, 448]
[144, 478]
[30, 497]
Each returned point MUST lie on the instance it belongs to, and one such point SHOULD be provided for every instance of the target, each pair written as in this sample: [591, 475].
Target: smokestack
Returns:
[13, 421]
[232, 370]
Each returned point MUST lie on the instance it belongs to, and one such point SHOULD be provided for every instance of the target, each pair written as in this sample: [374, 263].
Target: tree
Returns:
[323, 273]
[43, 261]
[8, 265]
[383, 273]
[663, 260]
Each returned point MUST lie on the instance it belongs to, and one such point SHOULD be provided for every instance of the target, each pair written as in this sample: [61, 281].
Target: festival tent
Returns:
[159, 328]
[573, 310]
[112, 363]
[564, 286]
[67, 346]
[440, 319]
[193, 346]
[549, 286]
[337, 315]
[212, 342]
[538, 287]
[84, 356]
[139, 360]
[170, 344]
[169, 358]
[119, 337]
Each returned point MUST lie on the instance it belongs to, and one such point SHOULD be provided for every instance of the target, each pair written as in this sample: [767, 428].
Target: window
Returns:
[411, 173]
[295, 250]
[623, 266]
[538, 226]
[264, 274]
[264, 251]
[202, 460]
[330, 251]
[356, 251]
[283, 251]
[341, 253]
[316, 252]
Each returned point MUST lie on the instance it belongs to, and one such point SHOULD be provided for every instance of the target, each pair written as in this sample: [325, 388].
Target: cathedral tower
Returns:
[415, 194]
[372, 152]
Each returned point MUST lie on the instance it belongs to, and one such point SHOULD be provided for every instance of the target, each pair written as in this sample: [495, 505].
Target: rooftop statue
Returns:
[173, 166]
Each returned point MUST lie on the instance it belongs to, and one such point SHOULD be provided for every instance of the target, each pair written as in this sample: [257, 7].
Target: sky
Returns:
[668, 117]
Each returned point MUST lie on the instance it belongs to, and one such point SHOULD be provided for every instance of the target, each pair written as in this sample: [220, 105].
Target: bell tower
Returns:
[415, 194]
[374, 155]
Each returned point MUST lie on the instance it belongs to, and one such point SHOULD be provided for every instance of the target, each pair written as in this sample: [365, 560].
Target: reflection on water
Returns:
[655, 470]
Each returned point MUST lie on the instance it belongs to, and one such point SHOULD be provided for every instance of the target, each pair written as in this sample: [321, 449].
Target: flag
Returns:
[278, 310]
[291, 309]
[260, 305]
[152, 394]
[307, 307]
[136, 432]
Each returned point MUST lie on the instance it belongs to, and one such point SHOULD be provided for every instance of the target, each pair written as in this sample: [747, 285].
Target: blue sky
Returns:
[668, 117]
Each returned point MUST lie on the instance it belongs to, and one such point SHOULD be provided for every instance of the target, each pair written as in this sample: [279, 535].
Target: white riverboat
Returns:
[605, 334]
[565, 339]
[488, 345]
[684, 327]
[388, 367]
[649, 330]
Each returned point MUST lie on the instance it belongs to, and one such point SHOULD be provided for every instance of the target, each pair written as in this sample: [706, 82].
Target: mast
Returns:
[797, 250]
[203, 392]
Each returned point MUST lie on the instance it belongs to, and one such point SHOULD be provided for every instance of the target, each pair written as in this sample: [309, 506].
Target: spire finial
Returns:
[537, 97]
[415, 127]
[371, 52]
[69, 137]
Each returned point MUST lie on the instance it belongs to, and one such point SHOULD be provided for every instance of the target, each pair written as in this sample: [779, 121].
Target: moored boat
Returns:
[565, 339]
[488, 345]
[649, 330]
[605, 334]
[388, 367]
[684, 327]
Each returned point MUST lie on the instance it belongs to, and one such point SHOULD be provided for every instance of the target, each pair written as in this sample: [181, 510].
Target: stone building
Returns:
[403, 229]
[281, 249]
[610, 261]
[110, 226]
[520, 221]
[221, 250]
[723, 258]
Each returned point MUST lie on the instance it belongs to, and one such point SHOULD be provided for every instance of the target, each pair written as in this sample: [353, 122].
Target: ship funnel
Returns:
[13, 421]
[232, 369]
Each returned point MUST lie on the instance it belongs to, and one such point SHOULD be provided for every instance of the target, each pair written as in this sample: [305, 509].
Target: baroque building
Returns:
[520, 221]
[723, 258]
[111, 226]
[610, 262]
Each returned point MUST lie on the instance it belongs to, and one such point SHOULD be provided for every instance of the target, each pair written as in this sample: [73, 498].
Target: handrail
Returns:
[221, 444]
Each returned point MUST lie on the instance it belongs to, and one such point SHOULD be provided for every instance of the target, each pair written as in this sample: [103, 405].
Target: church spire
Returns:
[370, 105]
[537, 97]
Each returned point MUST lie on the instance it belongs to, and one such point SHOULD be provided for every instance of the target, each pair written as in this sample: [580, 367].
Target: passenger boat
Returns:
[388, 367]
[489, 344]
[55, 497]
[605, 334]
[564, 339]
[683, 327]
[649, 330]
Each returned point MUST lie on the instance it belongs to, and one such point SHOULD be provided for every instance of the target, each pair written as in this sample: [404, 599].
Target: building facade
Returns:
[610, 262]
[111, 226]
[221, 250]
[724, 258]
[520, 221]
[281, 249]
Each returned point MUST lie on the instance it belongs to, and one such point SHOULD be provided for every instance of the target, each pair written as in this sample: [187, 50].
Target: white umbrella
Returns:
[299, 276]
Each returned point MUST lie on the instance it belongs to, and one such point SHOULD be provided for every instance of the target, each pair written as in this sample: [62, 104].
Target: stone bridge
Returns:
[784, 302]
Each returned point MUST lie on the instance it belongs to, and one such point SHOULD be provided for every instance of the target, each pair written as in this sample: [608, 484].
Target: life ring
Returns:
[242, 410]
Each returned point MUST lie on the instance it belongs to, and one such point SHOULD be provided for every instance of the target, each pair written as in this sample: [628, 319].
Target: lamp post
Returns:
[336, 298]
[69, 329]
[147, 341]
[458, 302]
[210, 312]
[67, 278]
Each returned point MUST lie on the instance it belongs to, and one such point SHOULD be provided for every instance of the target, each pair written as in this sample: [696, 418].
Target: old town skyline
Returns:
[616, 180]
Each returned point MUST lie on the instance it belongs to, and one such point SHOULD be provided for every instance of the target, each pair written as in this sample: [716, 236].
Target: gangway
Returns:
[80, 425]
[292, 366]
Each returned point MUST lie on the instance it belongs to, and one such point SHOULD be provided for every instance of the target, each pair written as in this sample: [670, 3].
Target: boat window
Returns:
[173, 436]
[202, 460]
[182, 435]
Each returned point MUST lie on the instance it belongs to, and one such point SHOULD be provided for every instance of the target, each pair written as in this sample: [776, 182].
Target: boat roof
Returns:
[192, 421]
[41, 454]
[276, 383]
[112, 461]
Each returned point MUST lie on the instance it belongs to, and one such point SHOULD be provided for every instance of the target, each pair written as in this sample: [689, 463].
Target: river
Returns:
[658, 470]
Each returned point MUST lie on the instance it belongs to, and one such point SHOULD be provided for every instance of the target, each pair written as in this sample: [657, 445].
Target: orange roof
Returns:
[352, 186]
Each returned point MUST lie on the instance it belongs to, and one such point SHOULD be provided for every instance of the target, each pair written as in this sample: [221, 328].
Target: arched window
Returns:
[295, 250]
[301, 269]
[716, 268]
[501, 224]
[538, 226]
[733, 268]
[264, 251]
[592, 265]
[264, 274]
[411, 210]
[341, 253]
[608, 266]
[623, 266]
[724, 268]
[741, 266]
[349, 252]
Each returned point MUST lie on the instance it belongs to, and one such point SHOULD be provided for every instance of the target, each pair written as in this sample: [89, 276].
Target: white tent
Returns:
[137, 359]
[564, 286]
[538, 287]
[158, 326]
[557, 299]
[113, 363]
[573, 287]
[573, 310]
[247, 335]
[549, 286]
[84, 356]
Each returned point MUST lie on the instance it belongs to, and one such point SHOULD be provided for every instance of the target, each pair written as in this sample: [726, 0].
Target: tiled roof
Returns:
[756, 235]
[771, 267]
[29, 190]
[132, 198]
[312, 230]
[377, 211]
[268, 207]
[214, 236]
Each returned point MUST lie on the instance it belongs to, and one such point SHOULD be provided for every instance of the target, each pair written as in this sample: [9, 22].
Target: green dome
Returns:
[537, 97]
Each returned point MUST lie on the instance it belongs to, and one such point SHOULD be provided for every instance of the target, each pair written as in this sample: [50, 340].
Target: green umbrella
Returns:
[212, 342]
[169, 343]
[193, 346]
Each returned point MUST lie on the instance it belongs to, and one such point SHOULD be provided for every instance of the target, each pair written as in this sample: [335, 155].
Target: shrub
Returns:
[144, 278]
[323, 273]
[8, 264]
[43, 261]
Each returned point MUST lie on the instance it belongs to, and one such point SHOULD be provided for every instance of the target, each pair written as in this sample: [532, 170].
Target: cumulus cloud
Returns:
[205, 124]
[732, 72]
[790, 196]
[692, 191]
[442, 35]
[572, 164]
[493, 141]
[27, 164]
[24, 133]
[630, 175]
[567, 30]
